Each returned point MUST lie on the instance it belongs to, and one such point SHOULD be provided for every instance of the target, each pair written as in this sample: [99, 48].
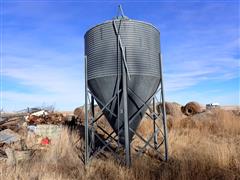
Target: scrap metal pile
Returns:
[23, 132]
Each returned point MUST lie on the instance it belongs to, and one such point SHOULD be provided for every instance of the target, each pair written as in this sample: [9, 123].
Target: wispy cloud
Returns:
[58, 78]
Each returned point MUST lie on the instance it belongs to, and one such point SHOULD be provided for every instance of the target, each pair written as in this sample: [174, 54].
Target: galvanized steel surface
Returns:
[142, 42]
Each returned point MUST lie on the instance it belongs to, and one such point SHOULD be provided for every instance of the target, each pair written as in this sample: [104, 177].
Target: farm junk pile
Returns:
[22, 133]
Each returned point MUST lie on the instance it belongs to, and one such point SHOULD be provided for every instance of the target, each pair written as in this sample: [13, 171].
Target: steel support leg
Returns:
[125, 111]
[86, 115]
[154, 126]
[92, 124]
[163, 110]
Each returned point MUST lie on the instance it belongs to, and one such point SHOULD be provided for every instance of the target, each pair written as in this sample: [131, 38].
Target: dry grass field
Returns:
[203, 146]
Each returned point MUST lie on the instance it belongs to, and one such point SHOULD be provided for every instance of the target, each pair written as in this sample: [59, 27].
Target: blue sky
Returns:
[42, 49]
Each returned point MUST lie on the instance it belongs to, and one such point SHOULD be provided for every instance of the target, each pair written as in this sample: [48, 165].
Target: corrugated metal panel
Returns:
[141, 40]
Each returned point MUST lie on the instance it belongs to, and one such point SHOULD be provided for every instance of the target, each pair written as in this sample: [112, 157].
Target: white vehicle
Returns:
[212, 105]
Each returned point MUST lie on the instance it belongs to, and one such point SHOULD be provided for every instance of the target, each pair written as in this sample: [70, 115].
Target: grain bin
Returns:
[103, 55]
[122, 72]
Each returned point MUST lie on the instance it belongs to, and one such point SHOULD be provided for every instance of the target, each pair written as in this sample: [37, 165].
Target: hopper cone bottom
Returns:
[104, 89]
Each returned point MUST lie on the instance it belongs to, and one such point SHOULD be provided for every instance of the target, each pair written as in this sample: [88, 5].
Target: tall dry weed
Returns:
[204, 146]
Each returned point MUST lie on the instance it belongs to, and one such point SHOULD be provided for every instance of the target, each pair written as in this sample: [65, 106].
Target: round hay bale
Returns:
[79, 113]
[172, 108]
[191, 108]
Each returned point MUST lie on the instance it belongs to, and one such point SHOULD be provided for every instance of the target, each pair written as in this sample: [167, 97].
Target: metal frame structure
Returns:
[91, 125]
[111, 141]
